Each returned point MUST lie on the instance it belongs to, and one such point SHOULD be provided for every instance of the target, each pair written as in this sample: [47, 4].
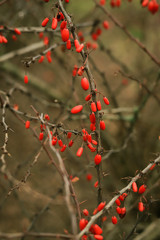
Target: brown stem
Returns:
[92, 87]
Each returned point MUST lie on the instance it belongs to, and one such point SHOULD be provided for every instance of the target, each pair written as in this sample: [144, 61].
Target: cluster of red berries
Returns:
[115, 3]
[48, 56]
[56, 138]
[97, 32]
[65, 34]
[3, 39]
[93, 106]
[152, 5]
[122, 210]
[95, 229]
[45, 38]
[14, 36]
[141, 190]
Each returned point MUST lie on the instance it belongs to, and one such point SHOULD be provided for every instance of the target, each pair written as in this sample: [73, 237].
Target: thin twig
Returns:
[34, 234]
[123, 28]
[66, 184]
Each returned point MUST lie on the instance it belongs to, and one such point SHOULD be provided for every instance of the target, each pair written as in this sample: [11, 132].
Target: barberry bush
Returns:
[80, 114]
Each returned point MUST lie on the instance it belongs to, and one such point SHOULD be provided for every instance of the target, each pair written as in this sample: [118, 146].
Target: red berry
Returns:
[68, 45]
[102, 125]
[17, 31]
[141, 207]
[3, 39]
[97, 159]
[106, 24]
[92, 117]
[99, 107]
[82, 223]
[41, 136]
[106, 101]
[79, 152]
[27, 125]
[70, 143]
[54, 141]
[93, 149]
[84, 237]
[89, 177]
[25, 79]
[121, 198]
[46, 40]
[69, 134]
[94, 36]
[98, 31]
[145, 3]
[112, 3]
[134, 187]
[60, 16]
[80, 48]
[114, 220]
[41, 59]
[118, 202]
[65, 34]
[63, 148]
[49, 59]
[118, 210]
[98, 237]
[14, 37]
[76, 43]
[77, 109]
[93, 107]
[60, 143]
[88, 97]
[85, 83]
[94, 142]
[101, 206]
[96, 185]
[123, 210]
[46, 116]
[74, 72]
[41, 35]
[92, 127]
[95, 210]
[102, 2]
[85, 212]
[153, 6]
[118, 3]
[45, 21]
[54, 23]
[89, 138]
[97, 229]
[42, 127]
[124, 195]
[142, 189]
[63, 25]
[152, 167]
[104, 218]
[80, 71]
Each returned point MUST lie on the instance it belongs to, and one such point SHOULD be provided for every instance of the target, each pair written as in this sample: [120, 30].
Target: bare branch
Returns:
[123, 28]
